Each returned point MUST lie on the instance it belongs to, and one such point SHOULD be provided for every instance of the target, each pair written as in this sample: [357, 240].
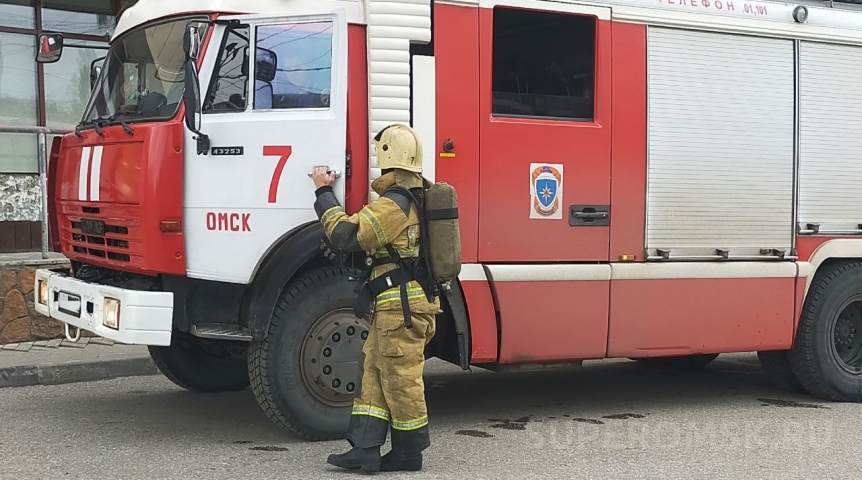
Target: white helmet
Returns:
[398, 147]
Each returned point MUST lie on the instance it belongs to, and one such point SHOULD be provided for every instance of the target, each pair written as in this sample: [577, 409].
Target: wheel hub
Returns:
[847, 342]
[330, 357]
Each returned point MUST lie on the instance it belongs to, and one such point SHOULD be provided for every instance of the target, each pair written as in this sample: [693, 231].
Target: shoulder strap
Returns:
[423, 230]
[403, 192]
[400, 198]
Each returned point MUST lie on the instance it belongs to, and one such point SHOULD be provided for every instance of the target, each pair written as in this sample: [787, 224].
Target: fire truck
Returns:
[657, 180]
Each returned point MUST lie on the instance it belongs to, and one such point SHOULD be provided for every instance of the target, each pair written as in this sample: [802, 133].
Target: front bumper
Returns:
[144, 318]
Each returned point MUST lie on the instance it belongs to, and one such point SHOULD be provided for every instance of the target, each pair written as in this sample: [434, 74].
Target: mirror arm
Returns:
[203, 143]
[192, 104]
[203, 140]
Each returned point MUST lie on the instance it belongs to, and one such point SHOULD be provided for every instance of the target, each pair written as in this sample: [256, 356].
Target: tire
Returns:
[776, 367]
[831, 326]
[200, 366]
[680, 362]
[288, 370]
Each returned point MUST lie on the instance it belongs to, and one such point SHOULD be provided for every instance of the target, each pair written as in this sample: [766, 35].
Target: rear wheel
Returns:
[827, 354]
[685, 361]
[307, 371]
[200, 365]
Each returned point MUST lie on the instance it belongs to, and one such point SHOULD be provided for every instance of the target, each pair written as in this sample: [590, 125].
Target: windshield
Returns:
[143, 74]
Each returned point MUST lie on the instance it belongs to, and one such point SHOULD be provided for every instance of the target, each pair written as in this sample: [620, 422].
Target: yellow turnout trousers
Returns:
[393, 391]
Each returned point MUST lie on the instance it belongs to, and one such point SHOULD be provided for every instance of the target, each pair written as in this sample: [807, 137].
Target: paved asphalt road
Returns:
[608, 420]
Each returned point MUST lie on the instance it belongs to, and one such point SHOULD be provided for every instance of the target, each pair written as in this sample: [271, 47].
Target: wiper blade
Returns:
[127, 128]
[101, 122]
[81, 126]
[98, 127]
[107, 121]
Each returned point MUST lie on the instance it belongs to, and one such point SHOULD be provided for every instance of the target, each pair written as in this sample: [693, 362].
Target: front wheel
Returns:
[307, 371]
[827, 354]
[200, 365]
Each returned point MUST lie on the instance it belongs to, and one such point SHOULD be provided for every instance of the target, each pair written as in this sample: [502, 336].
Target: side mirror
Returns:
[50, 48]
[266, 65]
[95, 72]
[192, 43]
[192, 101]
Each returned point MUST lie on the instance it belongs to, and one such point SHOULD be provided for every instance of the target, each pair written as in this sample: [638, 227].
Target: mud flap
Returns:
[455, 299]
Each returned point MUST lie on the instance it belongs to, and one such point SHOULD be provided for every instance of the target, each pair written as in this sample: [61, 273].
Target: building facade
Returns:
[52, 95]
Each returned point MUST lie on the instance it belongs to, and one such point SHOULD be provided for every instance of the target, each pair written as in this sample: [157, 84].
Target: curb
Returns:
[75, 372]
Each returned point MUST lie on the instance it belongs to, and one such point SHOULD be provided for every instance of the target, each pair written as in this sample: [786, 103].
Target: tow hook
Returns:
[69, 334]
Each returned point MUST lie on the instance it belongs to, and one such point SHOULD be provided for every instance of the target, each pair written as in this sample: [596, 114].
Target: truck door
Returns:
[270, 121]
[545, 134]
[545, 152]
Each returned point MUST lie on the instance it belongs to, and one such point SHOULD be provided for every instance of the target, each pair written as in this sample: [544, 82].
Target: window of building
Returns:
[84, 17]
[293, 66]
[17, 14]
[229, 89]
[18, 102]
[52, 95]
[543, 65]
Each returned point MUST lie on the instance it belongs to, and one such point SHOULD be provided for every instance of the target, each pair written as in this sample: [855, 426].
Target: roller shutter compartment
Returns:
[830, 143]
[721, 131]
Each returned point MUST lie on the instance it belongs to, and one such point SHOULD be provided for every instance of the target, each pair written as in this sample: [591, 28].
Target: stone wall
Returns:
[19, 321]
[20, 198]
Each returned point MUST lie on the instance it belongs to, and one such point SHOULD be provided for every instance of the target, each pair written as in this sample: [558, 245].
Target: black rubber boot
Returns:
[392, 463]
[366, 435]
[366, 459]
[407, 447]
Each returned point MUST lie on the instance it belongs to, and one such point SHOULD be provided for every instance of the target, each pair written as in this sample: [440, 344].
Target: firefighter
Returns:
[392, 392]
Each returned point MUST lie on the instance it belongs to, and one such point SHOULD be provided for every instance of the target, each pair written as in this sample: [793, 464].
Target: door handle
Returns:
[336, 172]
[589, 215]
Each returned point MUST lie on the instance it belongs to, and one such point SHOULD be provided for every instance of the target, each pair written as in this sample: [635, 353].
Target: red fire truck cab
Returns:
[661, 180]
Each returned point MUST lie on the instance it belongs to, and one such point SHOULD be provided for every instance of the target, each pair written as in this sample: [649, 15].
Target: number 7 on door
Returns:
[284, 153]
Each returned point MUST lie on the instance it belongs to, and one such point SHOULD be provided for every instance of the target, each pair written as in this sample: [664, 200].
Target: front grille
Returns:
[96, 252]
[119, 243]
[92, 243]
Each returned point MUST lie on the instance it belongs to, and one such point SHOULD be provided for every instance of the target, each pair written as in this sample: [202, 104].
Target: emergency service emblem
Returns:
[546, 190]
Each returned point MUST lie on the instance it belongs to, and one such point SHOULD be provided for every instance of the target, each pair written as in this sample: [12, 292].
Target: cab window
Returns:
[229, 89]
[293, 66]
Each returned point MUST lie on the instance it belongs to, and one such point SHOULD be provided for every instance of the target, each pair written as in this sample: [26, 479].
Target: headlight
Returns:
[111, 313]
[43, 292]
